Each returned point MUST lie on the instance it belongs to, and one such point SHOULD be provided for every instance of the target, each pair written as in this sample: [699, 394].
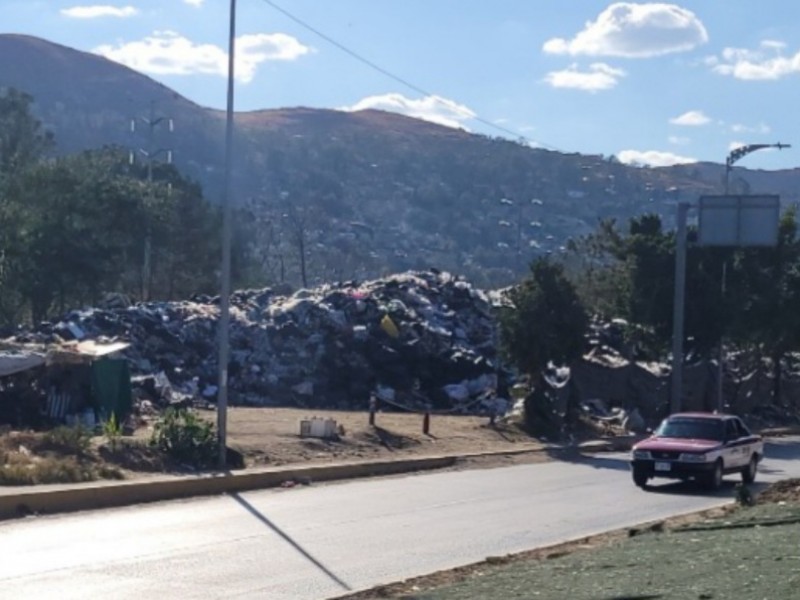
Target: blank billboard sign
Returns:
[750, 220]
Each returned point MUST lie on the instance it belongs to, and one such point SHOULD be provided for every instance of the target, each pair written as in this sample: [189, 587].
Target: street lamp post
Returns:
[225, 294]
[734, 156]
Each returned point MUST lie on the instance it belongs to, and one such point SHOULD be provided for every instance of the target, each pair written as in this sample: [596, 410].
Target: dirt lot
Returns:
[730, 553]
[265, 437]
[271, 436]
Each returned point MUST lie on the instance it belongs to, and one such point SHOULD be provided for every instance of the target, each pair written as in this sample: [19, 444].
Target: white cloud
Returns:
[692, 118]
[678, 140]
[766, 63]
[194, 2]
[430, 108]
[600, 76]
[652, 158]
[96, 11]
[169, 53]
[634, 31]
[735, 145]
[761, 128]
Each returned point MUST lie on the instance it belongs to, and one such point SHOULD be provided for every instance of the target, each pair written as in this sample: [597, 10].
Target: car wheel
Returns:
[749, 472]
[714, 478]
[640, 479]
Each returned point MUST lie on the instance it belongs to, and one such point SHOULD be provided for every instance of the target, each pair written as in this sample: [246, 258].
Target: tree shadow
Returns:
[286, 537]
[392, 441]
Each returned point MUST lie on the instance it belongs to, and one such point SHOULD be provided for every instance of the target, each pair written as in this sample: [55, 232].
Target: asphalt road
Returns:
[319, 542]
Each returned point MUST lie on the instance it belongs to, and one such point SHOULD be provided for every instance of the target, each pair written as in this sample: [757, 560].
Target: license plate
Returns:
[663, 466]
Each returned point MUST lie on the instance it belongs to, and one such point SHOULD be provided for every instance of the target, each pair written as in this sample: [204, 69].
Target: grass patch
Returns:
[751, 553]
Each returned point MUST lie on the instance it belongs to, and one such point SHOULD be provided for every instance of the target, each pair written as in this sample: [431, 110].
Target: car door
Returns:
[734, 450]
[747, 442]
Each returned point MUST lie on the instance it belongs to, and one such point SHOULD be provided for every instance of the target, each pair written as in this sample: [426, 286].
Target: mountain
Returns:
[361, 194]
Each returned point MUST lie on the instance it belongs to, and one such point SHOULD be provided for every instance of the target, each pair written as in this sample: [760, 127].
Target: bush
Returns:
[113, 432]
[22, 470]
[71, 439]
[186, 438]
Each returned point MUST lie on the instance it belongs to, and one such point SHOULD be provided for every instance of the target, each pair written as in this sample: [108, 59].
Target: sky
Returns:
[651, 83]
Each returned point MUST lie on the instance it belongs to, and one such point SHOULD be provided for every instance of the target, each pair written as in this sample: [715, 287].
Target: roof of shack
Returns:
[16, 362]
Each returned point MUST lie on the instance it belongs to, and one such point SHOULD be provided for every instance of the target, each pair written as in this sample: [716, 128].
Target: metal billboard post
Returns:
[678, 309]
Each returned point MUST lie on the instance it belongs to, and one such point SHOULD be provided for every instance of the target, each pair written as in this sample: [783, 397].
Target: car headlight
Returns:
[641, 455]
[692, 457]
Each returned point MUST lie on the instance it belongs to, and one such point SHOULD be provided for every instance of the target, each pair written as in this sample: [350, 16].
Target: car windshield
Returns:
[703, 429]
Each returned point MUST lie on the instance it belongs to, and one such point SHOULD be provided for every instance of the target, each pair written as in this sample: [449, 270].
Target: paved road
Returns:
[318, 542]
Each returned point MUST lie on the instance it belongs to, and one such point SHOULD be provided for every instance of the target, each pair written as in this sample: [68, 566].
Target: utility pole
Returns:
[225, 293]
[150, 153]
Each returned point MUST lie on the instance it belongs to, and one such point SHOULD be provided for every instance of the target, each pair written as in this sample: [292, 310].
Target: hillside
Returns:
[366, 193]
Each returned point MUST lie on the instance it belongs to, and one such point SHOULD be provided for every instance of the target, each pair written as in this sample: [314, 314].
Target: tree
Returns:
[23, 143]
[632, 275]
[547, 322]
[766, 294]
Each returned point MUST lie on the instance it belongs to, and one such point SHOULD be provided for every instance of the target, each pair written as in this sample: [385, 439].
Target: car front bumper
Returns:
[676, 469]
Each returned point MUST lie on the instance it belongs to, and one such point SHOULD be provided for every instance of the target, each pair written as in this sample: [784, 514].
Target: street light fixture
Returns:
[743, 151]
[225, 293]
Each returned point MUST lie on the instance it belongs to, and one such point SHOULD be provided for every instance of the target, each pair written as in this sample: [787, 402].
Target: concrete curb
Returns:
[86, 496]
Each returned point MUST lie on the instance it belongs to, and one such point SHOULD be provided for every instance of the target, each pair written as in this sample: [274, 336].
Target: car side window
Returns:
[742, 428]
[731, 431]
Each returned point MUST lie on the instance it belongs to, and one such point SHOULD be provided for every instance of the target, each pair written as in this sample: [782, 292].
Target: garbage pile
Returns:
[417, 340]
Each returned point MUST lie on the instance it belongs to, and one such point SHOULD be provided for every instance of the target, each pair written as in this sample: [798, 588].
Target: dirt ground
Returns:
[264, 437]
[271, 436]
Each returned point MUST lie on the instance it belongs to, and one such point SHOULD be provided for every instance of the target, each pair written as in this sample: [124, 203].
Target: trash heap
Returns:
[417, 340]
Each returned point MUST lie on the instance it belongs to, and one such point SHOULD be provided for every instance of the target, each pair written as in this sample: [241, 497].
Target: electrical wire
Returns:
[374, 66]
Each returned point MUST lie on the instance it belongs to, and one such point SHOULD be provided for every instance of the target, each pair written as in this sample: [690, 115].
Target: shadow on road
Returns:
[692, 488]
[638, 597]
[254, 511]
[572, 455]
[782, 449]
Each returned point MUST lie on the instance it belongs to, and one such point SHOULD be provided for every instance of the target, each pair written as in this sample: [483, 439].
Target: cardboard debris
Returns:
[16, 362]
[83, 351]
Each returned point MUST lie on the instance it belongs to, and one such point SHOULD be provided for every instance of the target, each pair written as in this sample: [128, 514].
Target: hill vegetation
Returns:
[331, 196]
[327, 195]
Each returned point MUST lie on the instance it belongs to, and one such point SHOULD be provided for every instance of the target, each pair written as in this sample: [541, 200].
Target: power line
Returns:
[397, 78]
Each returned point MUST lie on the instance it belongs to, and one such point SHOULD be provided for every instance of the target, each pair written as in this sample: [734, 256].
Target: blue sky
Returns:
[653, 83]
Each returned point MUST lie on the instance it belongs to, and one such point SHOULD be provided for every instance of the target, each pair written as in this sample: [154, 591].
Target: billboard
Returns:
[739, 220]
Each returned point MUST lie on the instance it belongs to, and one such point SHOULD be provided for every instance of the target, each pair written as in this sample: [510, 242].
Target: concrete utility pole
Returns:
[225, 293]
[150, 153]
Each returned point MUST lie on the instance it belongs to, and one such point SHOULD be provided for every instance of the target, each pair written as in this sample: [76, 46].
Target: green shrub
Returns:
[113, 432]
[76, 439]
[185, 438]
